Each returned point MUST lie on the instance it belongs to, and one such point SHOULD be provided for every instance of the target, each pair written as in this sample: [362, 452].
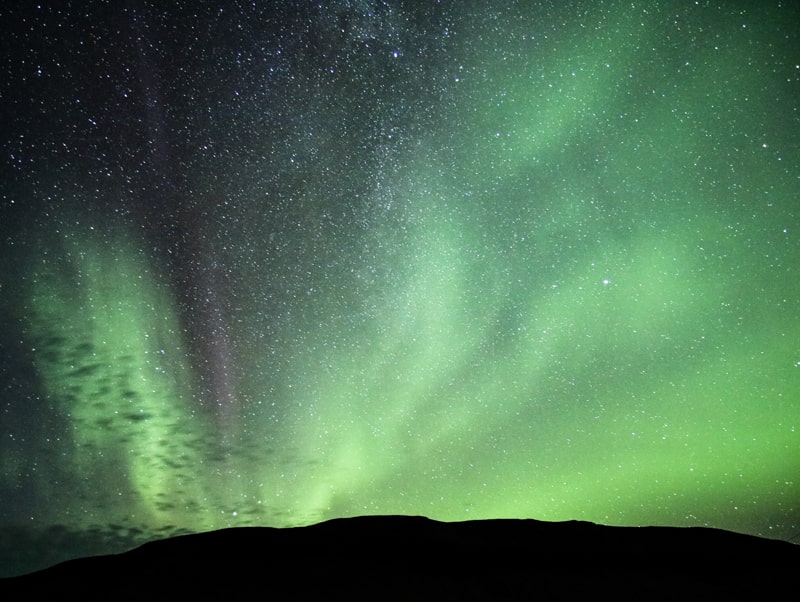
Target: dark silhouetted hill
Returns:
[414, 558]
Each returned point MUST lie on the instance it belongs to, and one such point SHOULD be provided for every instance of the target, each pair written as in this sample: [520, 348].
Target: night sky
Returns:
[272, 263]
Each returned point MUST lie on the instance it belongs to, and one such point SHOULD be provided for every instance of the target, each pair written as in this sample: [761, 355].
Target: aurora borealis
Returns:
[271, 263]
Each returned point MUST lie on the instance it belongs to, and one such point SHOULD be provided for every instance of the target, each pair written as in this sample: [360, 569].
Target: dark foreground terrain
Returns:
[413, 558]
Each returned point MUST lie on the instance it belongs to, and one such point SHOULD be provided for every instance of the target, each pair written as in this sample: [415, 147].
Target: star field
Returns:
[274, 263]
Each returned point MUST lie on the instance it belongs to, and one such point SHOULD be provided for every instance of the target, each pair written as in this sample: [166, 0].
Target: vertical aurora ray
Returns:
[108, 349]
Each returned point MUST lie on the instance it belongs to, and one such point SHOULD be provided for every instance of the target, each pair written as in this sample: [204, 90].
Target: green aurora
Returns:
[572, 294]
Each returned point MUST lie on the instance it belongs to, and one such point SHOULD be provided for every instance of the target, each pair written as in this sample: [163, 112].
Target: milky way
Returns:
[274, 263]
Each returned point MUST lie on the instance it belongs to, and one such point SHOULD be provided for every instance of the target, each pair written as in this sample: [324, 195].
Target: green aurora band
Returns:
[580, 302]
[635, 378]
[104, 350]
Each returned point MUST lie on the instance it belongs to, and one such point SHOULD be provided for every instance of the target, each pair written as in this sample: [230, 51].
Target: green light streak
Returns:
[615, 391]
[109, 352]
